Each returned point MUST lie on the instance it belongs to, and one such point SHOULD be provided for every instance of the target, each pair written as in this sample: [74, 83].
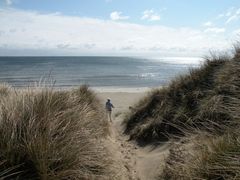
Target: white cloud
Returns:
[30, 32]
[150, 15]
[236, 33]
[234, 17]
[208, 24]
[232, 14]
[215, 30]
[211, 28]
[8, 2]
[115, 16]
[62, 46]
[226, 14]
[229, 12]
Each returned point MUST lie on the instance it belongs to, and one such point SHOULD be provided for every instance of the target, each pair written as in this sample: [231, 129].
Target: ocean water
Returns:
[68, 72]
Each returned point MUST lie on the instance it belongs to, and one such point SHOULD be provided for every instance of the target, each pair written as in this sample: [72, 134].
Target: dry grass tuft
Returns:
[49, 134]
[5, 90]
[205, 158]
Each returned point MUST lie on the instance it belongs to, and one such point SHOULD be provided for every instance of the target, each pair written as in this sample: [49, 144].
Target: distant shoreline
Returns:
[104, 89]
[122, 89]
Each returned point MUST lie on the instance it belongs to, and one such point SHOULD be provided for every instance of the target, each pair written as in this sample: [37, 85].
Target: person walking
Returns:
[109, 107]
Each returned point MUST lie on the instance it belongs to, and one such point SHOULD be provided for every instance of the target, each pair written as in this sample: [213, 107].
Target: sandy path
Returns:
[127, 150]
[135, 163]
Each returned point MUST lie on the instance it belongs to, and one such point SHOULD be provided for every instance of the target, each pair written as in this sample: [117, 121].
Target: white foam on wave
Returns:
[179, 60]
[121, 89]
[147, 75]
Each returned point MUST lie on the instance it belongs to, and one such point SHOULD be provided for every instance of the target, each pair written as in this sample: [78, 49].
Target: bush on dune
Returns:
[48, 134]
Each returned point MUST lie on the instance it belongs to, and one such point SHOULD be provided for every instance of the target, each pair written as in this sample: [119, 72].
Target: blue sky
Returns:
[118, 27]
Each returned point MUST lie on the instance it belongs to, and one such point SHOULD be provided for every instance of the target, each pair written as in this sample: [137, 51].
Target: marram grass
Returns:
[47, 134]
[200, 112]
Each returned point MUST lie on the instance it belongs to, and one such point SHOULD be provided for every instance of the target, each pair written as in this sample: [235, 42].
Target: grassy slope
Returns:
[205, 157]
[203, 99]
[46, 134]
[203, 110]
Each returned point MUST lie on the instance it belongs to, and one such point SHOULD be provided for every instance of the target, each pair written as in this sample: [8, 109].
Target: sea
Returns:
[97, 72]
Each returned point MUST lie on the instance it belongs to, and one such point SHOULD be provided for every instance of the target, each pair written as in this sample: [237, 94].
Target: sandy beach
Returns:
[121, 100]
[138, 163]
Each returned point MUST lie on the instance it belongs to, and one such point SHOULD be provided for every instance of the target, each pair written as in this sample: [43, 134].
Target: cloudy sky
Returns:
[118, 27]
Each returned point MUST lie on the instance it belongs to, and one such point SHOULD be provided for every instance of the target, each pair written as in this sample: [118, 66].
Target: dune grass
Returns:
[202, 99]
[201, 111]
[205, 157]
[48, 134]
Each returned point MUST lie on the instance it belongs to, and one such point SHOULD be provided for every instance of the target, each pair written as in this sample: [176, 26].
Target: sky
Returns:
[152, 28]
